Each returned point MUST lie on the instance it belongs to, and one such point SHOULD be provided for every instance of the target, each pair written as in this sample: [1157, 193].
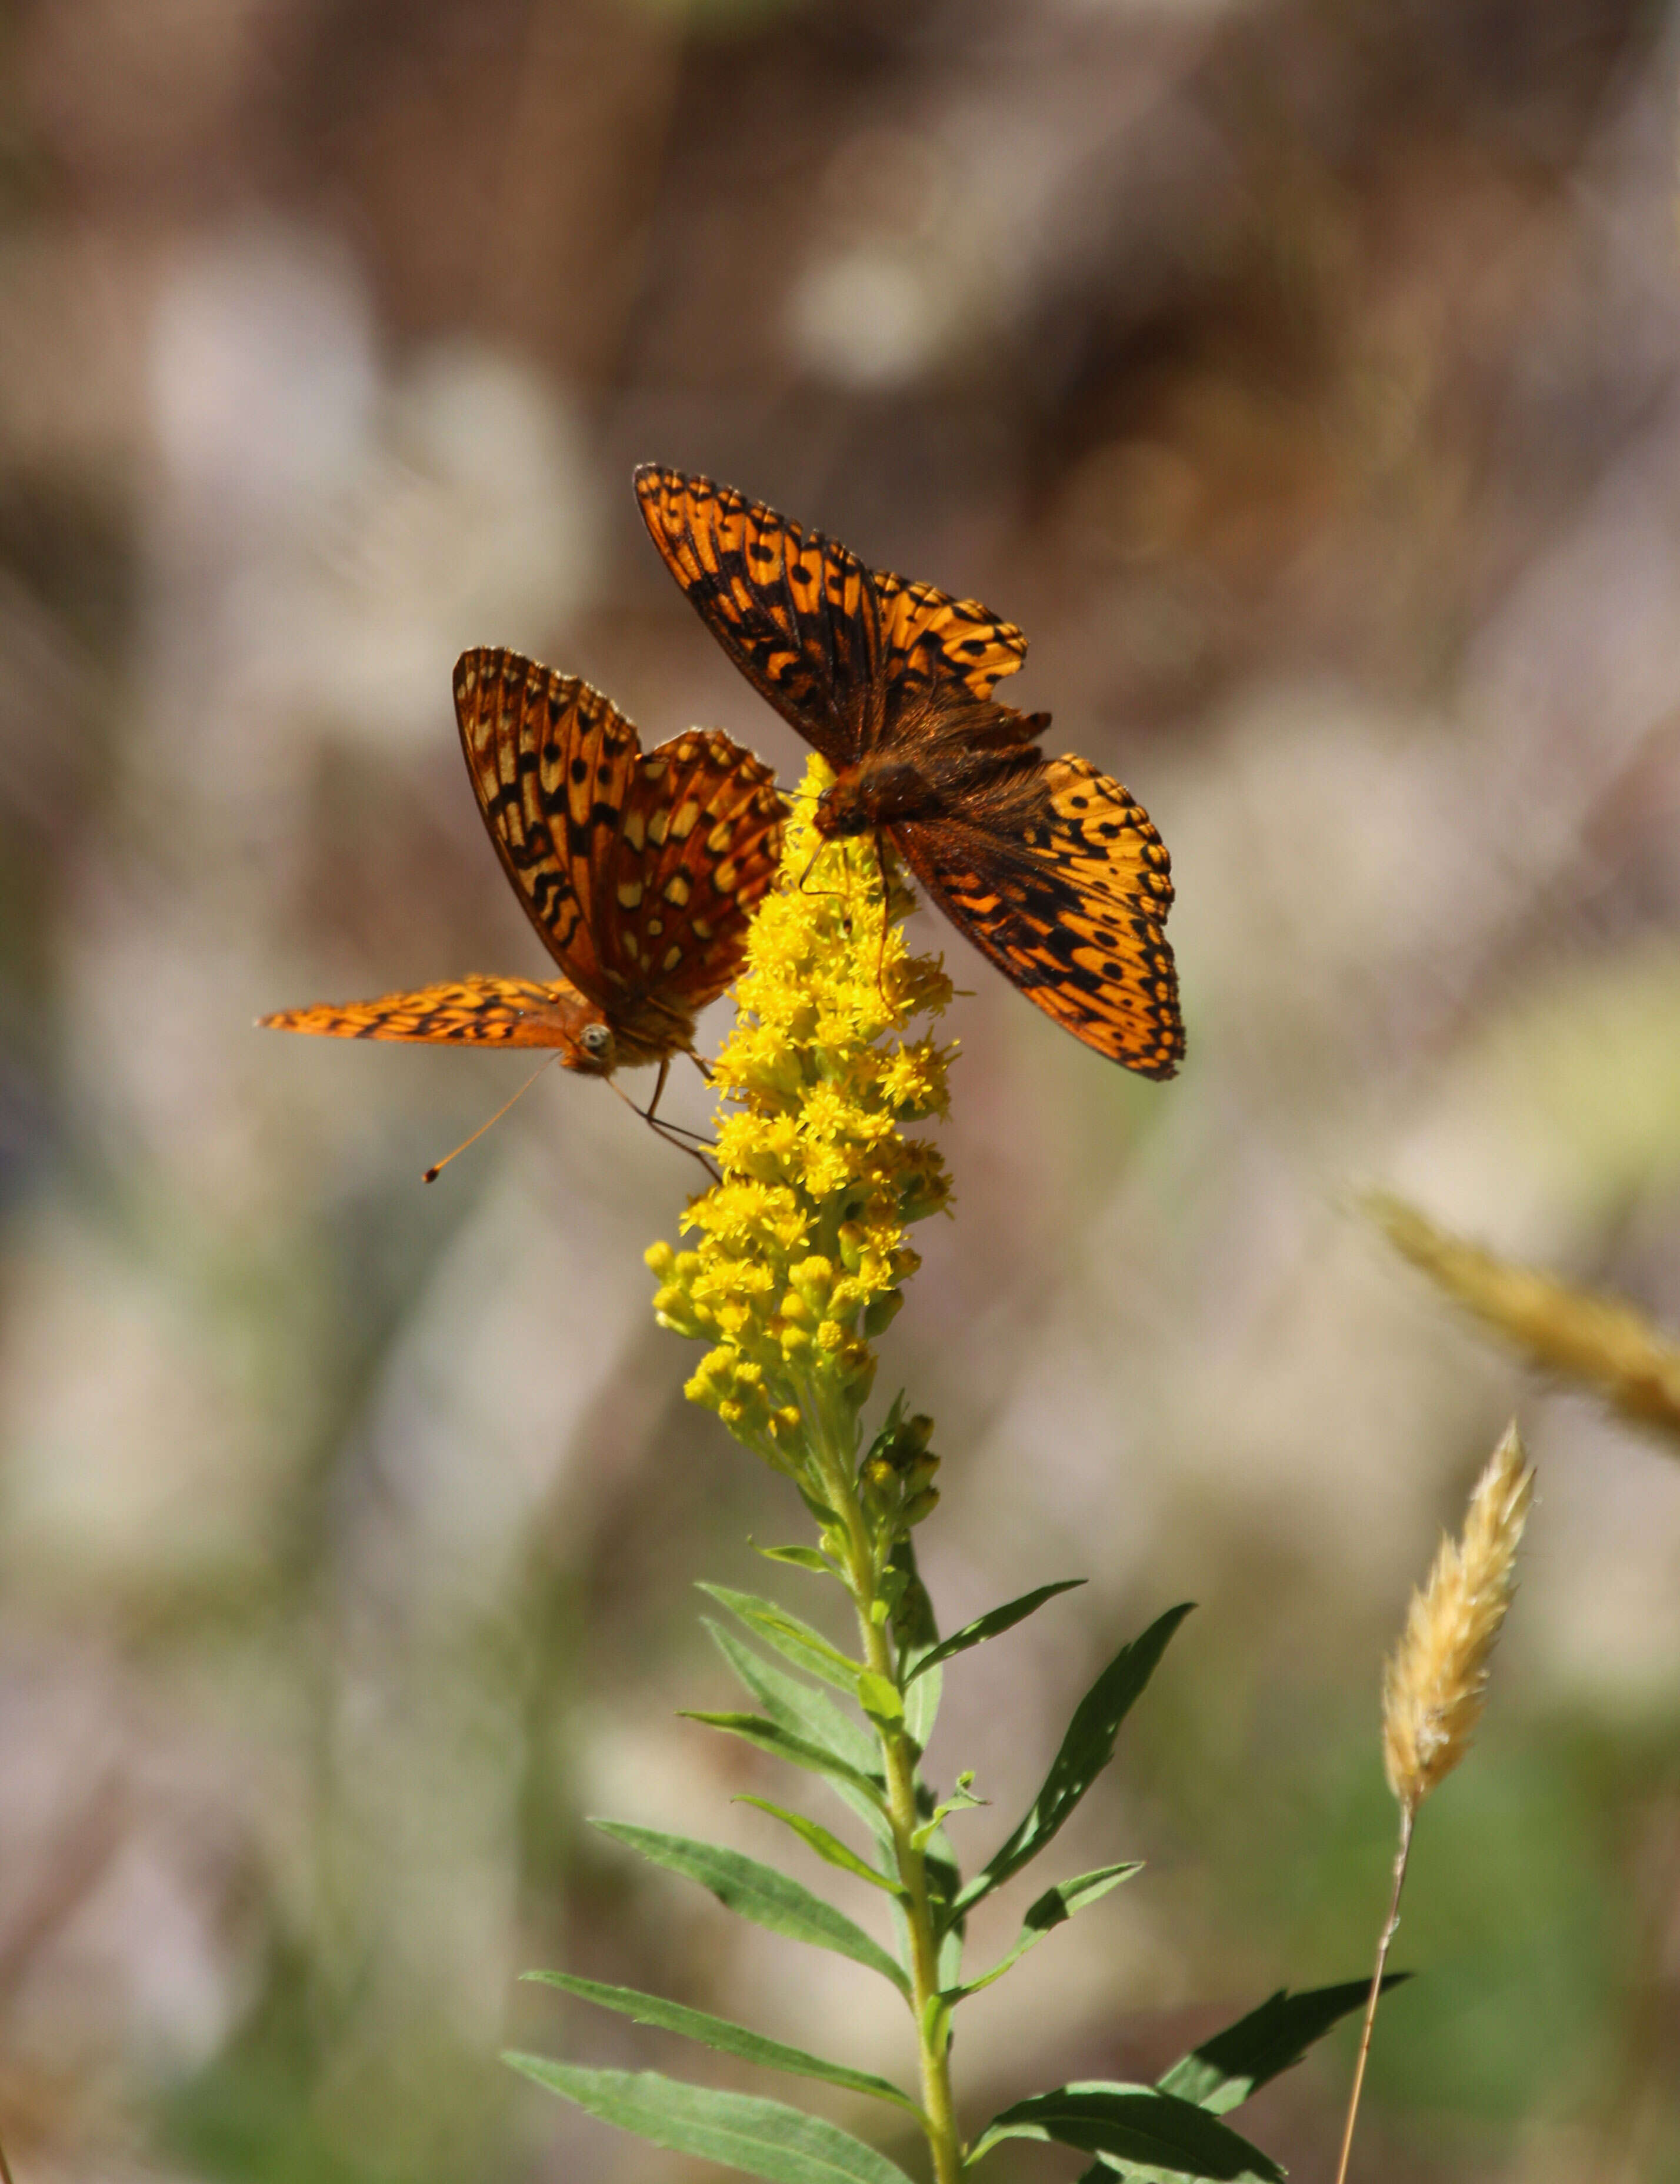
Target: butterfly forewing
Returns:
[460, 1013]
[795, 612]
[840, 650]
[929, 640]
[551, 759]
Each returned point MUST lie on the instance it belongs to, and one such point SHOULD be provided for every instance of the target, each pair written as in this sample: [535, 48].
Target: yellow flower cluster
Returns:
[802, 1246]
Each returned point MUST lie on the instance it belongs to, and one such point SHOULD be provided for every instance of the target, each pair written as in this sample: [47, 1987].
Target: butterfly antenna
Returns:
[438, 1166]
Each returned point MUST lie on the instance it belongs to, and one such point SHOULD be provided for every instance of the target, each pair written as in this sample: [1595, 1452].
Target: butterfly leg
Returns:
[668, 1131]
[886, 912]
[836, 894]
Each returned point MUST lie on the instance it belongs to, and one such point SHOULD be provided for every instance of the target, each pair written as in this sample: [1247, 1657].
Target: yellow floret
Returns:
[801, 1252]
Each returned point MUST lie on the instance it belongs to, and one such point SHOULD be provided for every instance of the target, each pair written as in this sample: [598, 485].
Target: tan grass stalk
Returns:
[1435, 1683]
[1436, 1680]
[1596, 1341]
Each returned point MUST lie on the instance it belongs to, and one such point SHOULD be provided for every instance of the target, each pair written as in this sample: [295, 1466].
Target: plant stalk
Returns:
[1376, 1995]
[899, 1757]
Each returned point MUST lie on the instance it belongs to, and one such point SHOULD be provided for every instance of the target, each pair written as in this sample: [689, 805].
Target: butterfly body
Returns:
[1049, 866]
[638, 870]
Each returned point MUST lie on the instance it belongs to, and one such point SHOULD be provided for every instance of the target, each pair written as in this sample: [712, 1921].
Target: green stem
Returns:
[835, 1458]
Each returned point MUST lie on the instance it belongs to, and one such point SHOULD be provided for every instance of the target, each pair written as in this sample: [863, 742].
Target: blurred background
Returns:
[1301, 375]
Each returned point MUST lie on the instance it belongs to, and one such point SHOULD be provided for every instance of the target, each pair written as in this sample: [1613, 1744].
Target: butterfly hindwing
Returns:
[1070, 909]
[696, 853]
[458, 1012]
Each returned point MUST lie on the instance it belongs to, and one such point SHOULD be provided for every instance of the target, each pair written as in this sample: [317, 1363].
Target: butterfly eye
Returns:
[595, 1039]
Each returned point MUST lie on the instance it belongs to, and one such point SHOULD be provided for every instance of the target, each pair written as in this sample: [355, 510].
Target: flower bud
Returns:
[880, 1311]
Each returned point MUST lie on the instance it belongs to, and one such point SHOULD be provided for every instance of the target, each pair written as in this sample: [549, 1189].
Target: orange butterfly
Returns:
[1047, 865]
[639, 872]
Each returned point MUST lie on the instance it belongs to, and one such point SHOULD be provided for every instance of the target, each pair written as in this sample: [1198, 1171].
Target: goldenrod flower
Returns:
[803, 1249]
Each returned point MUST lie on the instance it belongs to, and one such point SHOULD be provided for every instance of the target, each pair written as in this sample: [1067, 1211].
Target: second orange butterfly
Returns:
[1047, 865]
[639, 871]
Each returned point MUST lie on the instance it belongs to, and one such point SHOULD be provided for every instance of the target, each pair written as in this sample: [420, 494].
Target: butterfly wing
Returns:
[551, 761]
[840, 650]
[464, 1012]
[696, 853]
[1071, 908]
[933, 641]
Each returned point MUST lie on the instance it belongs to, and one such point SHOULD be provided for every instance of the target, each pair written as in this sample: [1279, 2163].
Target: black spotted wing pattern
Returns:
[1049, 866]
[840, 650]
[1073, 911]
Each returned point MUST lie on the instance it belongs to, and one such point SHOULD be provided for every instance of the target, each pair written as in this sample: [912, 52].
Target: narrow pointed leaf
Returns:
[1085, 1750]
[921, 1707]
[991, 1626]
[826, 1846]
[1054, 1908]
[760, 2139]
[800, 1709]
[1232, 2064]
[727, 2038]
[1138, 2129]
[797, 1750]
[804, 1558]
[761, 1893]
[915, 1633]
[794, 1640]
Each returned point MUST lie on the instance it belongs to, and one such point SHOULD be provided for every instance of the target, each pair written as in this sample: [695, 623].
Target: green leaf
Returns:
[921, 1708]
[761, 1893]
[1085, 1750]
[915, 1633]
[1054, 1908]
[989, 1626]
[826, 1846]
[796, 1706]
[804, 1558]
[729, 2039]
[1227, 2068]
[1138, 2129]
[796, 1641]
[797, 1750]
[807, 1711]
[760, 2139]
[878, 1696]
[961, 1800]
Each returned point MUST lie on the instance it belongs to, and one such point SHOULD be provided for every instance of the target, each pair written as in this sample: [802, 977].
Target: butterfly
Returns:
[638, 869]
[1051, 868]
